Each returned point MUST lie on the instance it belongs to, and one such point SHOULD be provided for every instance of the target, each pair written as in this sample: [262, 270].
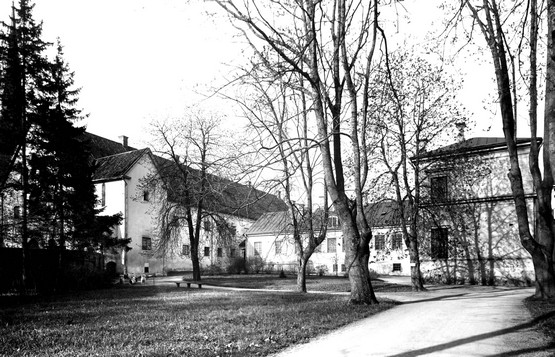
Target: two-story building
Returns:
[468, 220]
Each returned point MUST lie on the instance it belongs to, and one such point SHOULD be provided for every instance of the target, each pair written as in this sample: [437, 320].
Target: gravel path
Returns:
[444, 321]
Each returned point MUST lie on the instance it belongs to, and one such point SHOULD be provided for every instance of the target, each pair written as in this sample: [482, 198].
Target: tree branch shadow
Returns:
[484, 336]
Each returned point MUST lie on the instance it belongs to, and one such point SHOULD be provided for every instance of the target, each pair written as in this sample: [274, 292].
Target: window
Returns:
[278, 247]
[396, 266]
[207, 225]
[335, 268]
[333, 222]
[103, 197]
[379, 242]
[438, 189]
[146, 268]
[146, 196]
[17, 212]
[439, 243]
[257, 248]
[232, 252]
[186, 250]
[397, 241]
[147, 243]
[220, 252]
[343, 268]
[332, 245]
[206, 251]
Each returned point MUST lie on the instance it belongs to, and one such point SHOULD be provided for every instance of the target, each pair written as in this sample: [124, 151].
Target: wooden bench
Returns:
[178, 283]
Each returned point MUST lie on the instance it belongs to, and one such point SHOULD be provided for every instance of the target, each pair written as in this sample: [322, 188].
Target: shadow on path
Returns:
[445, 346]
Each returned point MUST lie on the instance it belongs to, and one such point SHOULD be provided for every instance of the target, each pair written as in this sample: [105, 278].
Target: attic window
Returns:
[146, 195]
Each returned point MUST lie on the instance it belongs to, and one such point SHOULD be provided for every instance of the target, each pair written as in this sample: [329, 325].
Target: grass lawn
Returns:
[313, 283]
[544, 311]
[162, 320]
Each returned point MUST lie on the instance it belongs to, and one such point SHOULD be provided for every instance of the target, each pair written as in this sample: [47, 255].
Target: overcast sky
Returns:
[138, 60]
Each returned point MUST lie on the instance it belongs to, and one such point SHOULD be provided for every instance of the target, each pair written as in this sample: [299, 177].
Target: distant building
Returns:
[270, 239]
[119, 182]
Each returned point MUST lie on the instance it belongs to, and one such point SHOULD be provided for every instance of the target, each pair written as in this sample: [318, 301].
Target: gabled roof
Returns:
[379, 214]
[116, 166]
[474, 144]
[114, 160]
[102, 147]
[224, 196]
[271, 222]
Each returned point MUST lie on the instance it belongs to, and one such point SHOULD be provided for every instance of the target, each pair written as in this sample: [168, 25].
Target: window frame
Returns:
[439, 188]
[146, 243]
[186, 250]
[397, 241]
[331, 245]
[278, 246]
[380, 246]
[257, 247]
[439, 243]
[206, 251]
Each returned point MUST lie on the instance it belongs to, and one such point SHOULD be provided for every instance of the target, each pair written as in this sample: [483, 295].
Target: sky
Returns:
[143, 60]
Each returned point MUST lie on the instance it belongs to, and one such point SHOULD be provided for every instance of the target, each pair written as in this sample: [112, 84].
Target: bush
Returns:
[213, 269]
[236, 266]
[254, 265]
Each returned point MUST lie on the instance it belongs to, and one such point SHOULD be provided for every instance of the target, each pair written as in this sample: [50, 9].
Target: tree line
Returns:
[50, 171]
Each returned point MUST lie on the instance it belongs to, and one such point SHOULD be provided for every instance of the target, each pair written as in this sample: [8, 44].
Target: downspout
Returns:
[125, 224]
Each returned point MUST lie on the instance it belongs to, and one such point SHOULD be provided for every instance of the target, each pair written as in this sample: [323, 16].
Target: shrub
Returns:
[236, 266]
[254, 265]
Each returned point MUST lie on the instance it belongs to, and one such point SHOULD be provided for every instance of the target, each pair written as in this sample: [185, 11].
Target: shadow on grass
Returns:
[484, 336]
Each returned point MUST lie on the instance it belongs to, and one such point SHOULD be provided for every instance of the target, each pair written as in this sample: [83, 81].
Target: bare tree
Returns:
[187, 193]
[278, 115]
[414, 106]
[491, 18]
[329, 44]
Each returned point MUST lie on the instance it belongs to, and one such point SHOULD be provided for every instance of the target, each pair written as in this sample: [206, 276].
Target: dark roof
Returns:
[116, 166]
[224, 196]
[113, 160]
[474, 144]
[102, 147]
[380, 214]
[383, 214]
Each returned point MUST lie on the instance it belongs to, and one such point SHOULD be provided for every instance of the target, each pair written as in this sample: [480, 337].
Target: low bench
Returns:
[178, 283]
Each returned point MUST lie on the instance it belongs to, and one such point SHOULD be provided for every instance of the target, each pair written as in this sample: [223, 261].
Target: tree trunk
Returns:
[301, 275]
[195, 261]
[416, 280]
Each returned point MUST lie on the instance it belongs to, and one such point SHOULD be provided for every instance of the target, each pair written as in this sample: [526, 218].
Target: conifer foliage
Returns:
[50, 164]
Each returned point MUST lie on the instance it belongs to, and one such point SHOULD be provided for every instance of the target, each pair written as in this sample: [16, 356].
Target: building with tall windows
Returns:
[468, 224]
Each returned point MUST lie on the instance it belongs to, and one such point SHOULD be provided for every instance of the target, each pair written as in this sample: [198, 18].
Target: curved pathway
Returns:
[444, 321]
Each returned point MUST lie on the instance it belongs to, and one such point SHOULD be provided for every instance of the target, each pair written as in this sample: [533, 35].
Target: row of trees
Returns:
[51, 171]
[328, 62]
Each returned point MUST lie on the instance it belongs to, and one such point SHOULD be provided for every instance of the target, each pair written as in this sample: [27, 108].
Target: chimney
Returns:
[461, 126]
[123, 139]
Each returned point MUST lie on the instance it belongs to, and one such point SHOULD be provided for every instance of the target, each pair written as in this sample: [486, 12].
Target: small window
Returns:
[207, 225]
[396, 266]
[343, 268]
[220, 252]
[146, 196]
[335, 268]
[397, 241]
[232, 252]
[257, 248]
[333, 222]
[379, 243]
[17, 212]
[439, 243]
[332, 245]
[103, 197]
[147, 243]
[438, 189]
[278, 247]
[186, 250]
[206, 251]
[146, 268]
